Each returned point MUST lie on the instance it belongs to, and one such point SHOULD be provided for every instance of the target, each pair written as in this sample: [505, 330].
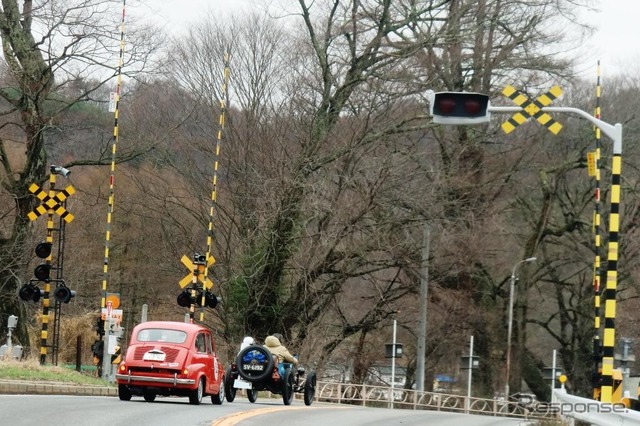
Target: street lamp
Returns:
[512, 283]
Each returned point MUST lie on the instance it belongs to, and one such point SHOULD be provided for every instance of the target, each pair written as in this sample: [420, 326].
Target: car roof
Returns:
[173, 325]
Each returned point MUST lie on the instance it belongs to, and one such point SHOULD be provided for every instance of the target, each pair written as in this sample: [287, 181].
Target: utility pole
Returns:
[393, 365]
[469, 375]
[424, 300]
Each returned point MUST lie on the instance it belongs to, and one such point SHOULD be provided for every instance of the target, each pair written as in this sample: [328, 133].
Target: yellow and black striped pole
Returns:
[194, 294]
[606, 390]
[111, 202]
[44, 334]
[106, 365]
[221, 123]
[596, 230]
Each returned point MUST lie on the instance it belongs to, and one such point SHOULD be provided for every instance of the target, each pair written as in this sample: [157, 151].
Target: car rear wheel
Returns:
[124, 393]
[255, 363]
[196, 395]
[287, 387]
[252, 394]
[218, 398]
[230, 391]
[310, 388]
[149, 396]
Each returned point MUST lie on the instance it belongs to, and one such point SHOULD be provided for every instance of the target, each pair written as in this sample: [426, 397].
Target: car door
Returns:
[216, 369]
[201, 356]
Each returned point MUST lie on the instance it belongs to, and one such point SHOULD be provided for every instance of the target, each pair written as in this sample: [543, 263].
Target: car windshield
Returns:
[161, 335]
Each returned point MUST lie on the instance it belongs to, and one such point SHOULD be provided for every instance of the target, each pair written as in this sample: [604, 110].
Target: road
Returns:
[61, 410]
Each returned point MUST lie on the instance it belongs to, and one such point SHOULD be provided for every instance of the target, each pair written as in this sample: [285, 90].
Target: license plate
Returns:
[153, 356]
[241, 384]
[253, 367]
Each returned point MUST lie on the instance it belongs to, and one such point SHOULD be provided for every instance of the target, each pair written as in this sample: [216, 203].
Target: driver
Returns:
[246, 342]
[272, 343]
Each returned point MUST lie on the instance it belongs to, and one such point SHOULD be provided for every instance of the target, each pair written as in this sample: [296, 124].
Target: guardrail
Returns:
[593, 412]
[380, 396]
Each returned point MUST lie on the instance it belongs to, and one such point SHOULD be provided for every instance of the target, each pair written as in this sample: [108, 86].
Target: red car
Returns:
[171, 358]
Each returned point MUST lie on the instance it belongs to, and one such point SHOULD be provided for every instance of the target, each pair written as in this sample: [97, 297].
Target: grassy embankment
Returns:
[31, 370]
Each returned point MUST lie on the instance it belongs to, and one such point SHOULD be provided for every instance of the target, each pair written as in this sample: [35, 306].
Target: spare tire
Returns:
[255, 363]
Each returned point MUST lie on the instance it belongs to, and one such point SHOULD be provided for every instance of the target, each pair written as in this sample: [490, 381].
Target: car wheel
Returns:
[287, 387]
[255, 363]
[124, 393]
[196, 395]
[149, 396]
[252, 394]
[218, 398]
[229, 390]
[310, 388]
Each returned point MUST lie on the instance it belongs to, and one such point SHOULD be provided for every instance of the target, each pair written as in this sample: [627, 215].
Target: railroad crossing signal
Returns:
[51, 203]
[188, 297]
[459, 107]
[196, 270]
[532, 109]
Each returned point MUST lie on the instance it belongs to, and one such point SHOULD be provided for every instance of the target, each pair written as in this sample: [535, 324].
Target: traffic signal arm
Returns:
[614, 132]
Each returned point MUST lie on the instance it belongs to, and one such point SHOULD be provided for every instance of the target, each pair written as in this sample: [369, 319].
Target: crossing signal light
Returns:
[30, 292]
[43, 250]
[42, 272]
[210, 299]
[459, 107]
[100, 326]
[184, 299]
[63, 294]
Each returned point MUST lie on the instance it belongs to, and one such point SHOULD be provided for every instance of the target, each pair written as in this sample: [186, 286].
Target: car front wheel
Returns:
[149, 396]
[196, 395]
[310, 388]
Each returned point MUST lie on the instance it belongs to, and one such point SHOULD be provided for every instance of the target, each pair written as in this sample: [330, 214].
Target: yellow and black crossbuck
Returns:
[51, 203]
[532, 109]
[197, 273]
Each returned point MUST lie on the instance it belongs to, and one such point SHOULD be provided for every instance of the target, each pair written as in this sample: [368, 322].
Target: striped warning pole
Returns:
[610, 290]
[596, 263]
[221, 122]
[106, 364]
[107, 238]
[192, 306]
[44, 333]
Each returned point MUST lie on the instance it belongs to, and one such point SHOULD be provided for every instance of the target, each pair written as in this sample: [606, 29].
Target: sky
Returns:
[616, 42]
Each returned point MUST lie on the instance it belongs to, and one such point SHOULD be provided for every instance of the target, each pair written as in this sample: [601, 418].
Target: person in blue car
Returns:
[272, 343]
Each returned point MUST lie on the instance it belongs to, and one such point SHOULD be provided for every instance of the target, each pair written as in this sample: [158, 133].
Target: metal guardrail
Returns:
[593, 412]
[379, 396]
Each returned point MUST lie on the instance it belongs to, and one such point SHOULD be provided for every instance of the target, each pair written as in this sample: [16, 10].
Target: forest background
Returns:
[330, 172]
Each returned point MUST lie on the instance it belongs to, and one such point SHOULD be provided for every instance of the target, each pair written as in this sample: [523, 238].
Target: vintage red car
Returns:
[171, 358]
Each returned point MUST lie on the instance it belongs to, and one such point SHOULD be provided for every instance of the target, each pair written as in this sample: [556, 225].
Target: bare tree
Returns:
[48, 47]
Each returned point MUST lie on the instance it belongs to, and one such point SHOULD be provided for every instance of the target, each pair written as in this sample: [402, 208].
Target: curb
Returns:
[47, 388]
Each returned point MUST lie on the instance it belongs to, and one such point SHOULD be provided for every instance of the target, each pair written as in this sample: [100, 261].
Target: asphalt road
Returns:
[331, 414]
[62, 410]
